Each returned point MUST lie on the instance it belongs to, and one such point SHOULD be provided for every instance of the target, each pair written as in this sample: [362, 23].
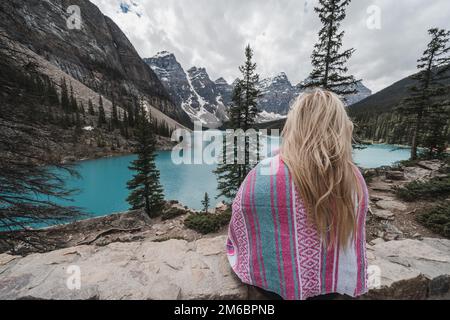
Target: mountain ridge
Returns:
[278, 93]
[98, 55]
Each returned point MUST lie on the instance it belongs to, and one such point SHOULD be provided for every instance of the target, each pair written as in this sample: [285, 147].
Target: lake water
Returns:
[103, 182]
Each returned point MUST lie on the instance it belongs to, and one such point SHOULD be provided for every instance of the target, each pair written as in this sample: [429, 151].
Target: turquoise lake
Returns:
[103, 182]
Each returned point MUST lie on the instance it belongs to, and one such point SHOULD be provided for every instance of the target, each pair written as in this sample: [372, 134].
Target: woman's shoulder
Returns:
[270, 167]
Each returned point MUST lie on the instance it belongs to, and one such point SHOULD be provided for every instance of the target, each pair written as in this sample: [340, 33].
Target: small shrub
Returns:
[435, 188]
[437, 219]
[207, 223]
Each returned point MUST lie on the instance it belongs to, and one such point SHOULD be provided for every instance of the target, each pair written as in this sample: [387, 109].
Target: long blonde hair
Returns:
[317, 148]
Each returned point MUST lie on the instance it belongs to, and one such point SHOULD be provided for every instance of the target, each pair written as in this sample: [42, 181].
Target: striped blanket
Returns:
[271, 244]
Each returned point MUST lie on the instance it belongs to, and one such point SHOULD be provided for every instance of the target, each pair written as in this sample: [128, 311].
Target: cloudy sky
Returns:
[389, 35]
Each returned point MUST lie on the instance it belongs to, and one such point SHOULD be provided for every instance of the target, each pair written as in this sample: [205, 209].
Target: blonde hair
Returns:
[317, 148]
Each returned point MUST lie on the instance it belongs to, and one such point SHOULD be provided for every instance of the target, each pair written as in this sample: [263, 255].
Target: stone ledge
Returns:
[178, 269]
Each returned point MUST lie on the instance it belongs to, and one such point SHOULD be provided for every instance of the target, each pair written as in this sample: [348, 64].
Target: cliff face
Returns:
[98, 55]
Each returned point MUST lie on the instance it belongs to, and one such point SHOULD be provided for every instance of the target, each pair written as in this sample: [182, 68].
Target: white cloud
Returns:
[213, 34]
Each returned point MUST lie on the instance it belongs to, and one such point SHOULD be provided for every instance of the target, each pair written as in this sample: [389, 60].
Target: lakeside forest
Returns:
[50, 117]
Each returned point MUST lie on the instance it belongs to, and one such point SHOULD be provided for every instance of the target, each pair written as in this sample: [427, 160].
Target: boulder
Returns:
[221, 207]
[432, 165]
[391, 205]
[411, 269]
[395, 175]
[383, 214]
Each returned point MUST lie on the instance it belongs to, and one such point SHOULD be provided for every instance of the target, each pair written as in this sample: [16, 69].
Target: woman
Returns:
[298, 225]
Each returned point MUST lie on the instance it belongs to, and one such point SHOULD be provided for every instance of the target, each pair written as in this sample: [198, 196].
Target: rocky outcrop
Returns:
[98, 54]
[177, 269]
[411, 269]
[174, 269]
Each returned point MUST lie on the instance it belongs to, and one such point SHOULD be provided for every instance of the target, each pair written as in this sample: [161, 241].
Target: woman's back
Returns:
[273, 245]
[298, 226]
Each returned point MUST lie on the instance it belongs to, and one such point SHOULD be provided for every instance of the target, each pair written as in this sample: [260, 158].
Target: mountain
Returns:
[277, 95]
[207, 101]
[193, 91]
[376, 117]
[98, 55]
[384, 100]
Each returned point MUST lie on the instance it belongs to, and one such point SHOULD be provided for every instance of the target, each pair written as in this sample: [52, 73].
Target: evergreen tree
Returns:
[424, 105]
[51, 93]
[206, 202]
[65, 101]
[101, 113]
[73, 101]
[329, 62]
[146, 190]
[91, 110]
[81, 109]
[242, 115]
[115, 117]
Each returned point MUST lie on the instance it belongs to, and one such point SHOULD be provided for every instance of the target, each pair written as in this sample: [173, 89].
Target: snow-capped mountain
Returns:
[193, 91]
[277, 94]
[208, 101]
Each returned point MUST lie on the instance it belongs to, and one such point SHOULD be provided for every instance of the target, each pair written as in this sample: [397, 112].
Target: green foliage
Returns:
[207, 223]
[437, 219]
[101, 112]
[425, 108]
[430, 190]
[146, 190]
[206, 203]
[329, 70]
[242, 114]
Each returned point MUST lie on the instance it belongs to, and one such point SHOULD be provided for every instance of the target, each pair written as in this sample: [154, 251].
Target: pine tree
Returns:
[82, 111]
[146, 190]
[206, 202]
[115, 117]
[329, 63]
[91, 110]
[242, 115]
[65, 101]
[73, 101]
[423, 106]
[101, 113]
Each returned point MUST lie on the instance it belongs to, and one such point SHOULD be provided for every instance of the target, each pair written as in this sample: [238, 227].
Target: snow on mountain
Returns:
[193, 91]
[277, 93]
[208, 101]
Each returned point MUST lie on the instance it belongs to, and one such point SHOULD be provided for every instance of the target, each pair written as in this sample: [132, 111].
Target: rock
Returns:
[416, 174]
[177, 269]
[411, 269]
[221, 207]
[174, 269]
[377, 241]
[391, 205]
[391, 232]
[432, 165]
[383, 214]
[381, 186]
[395, 175]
